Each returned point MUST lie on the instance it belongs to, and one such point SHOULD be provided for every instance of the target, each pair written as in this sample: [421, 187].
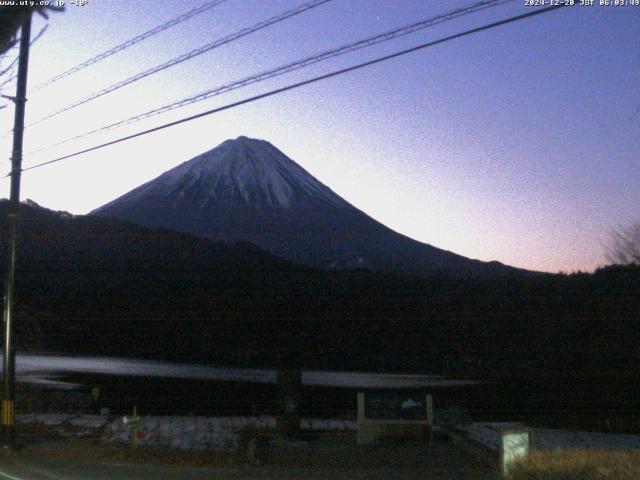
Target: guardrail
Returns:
[502, 447]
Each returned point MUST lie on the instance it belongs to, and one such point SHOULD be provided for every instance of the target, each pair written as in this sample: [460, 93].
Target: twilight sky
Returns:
[520, 144]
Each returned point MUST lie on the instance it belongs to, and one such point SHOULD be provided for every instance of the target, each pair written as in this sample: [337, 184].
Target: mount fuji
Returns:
[248, 190]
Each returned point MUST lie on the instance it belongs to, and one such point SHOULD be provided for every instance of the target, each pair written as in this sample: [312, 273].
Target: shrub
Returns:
[579, 464]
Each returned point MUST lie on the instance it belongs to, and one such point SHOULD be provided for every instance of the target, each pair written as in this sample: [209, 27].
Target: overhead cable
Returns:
[11, 78]
[187, 56]
[300, 84]
[296, 65]
[118, 48]
[11, 65]
[14, 62]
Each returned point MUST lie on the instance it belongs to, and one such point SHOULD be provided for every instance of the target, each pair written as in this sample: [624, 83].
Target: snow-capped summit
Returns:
[245, 170]
[248, 190]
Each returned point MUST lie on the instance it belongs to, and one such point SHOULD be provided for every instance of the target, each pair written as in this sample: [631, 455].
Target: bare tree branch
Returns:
[624, 245]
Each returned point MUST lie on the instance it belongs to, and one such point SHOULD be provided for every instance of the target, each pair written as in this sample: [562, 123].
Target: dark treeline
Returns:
[91, 285]
[558, 349]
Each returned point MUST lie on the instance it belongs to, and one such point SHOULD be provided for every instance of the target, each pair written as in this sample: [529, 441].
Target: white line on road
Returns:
[10, 477]
[37, 471]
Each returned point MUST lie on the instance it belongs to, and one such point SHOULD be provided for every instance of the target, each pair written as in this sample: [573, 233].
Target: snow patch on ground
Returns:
[223, 433]
[220, 434]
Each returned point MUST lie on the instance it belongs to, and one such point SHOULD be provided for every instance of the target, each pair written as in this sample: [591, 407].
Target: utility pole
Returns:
[9, 358]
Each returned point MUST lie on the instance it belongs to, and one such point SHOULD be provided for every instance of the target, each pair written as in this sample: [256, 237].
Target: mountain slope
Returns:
[101, 286]
[248, 190]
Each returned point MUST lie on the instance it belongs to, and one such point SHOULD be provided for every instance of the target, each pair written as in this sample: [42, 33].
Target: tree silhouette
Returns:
[12, 17]
[624, 245]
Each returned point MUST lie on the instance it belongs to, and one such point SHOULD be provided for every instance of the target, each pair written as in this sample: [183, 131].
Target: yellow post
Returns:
[7, 413]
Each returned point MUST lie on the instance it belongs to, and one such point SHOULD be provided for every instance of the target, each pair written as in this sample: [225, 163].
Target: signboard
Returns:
[396, 405]
[515, 447]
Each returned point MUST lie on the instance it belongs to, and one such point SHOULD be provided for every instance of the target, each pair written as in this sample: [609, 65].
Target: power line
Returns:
[296, 65]
[301, 84]
[143, 36]
[13, 63]
[12, 77]
[39, 34]
[187, 56]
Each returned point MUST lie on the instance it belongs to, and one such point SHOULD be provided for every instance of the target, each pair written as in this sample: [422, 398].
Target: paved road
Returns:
[320, 460]
[60, 470]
